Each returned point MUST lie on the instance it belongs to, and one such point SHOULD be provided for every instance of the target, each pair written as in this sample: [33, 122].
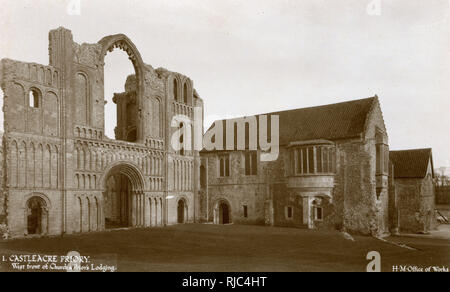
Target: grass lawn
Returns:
[233, 248]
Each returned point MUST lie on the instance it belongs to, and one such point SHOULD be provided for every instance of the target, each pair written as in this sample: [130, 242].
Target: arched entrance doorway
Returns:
[182, 212]
[222, 213]
[124, 204]
[37, 216]
[117, 201]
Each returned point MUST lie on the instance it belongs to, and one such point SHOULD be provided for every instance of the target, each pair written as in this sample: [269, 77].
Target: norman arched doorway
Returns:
[124, 204]
[36, 216]
[222, 213]
[182, 211]
[117, 201]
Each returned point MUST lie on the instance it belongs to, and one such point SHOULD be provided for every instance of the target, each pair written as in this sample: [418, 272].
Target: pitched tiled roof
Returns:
[331, 122]
[334, 121]
[411, 163]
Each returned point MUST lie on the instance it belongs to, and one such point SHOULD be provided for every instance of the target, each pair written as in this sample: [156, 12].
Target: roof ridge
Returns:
[411, 163]
[369, 113]
[302, 108]
[414, 149]
[333, 121]
[320, 106]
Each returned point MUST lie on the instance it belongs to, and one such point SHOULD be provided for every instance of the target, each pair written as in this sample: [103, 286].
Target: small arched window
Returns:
[175, 89]
[185, 93]
[34, 97]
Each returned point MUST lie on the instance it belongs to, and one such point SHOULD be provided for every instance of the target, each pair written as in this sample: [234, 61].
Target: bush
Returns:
[4, 231]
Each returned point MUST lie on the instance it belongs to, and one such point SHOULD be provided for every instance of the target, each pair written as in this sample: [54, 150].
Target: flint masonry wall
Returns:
[267, 195]
[416, 204]
[356, 206]
[354, 193]
[284, 197]
[237, 189]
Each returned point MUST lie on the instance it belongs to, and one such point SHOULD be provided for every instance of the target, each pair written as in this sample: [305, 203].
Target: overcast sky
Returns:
[256, 56]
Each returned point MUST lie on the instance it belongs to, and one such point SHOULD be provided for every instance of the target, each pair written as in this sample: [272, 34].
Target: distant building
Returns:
[332, 172]
[414, 190]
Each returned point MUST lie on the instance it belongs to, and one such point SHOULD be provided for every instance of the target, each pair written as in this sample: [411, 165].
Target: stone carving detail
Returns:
[152, 80]
[86, 54]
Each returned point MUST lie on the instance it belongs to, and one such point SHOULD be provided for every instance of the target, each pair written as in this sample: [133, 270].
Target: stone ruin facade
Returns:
[62, 175]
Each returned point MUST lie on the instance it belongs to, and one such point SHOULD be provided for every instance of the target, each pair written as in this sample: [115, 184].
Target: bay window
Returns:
[313, 159]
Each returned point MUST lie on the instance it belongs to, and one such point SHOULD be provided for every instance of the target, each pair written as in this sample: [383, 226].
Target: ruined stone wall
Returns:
[2, 184]
[18, 80]
[56, 148]
[31, 139]
[182, 166]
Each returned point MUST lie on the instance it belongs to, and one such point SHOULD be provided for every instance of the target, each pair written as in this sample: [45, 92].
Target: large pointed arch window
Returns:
[120, 108]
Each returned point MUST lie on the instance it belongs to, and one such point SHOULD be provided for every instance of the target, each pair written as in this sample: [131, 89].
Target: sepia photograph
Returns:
[235, 137]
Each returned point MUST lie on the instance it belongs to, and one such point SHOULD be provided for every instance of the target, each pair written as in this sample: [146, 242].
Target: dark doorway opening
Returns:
[118, 201]
[35, 216]
[224, 214]
[181, 211]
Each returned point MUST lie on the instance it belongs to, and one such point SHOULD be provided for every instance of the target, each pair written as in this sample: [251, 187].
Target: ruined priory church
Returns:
[60, 174]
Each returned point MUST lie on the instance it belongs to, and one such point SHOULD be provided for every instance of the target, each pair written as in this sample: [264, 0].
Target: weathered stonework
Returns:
[61, 174]
[413, 207]
[353, 196]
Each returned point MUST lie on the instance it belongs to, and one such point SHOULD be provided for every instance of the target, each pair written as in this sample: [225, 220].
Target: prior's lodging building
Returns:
[61, 174]
[331, 172]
